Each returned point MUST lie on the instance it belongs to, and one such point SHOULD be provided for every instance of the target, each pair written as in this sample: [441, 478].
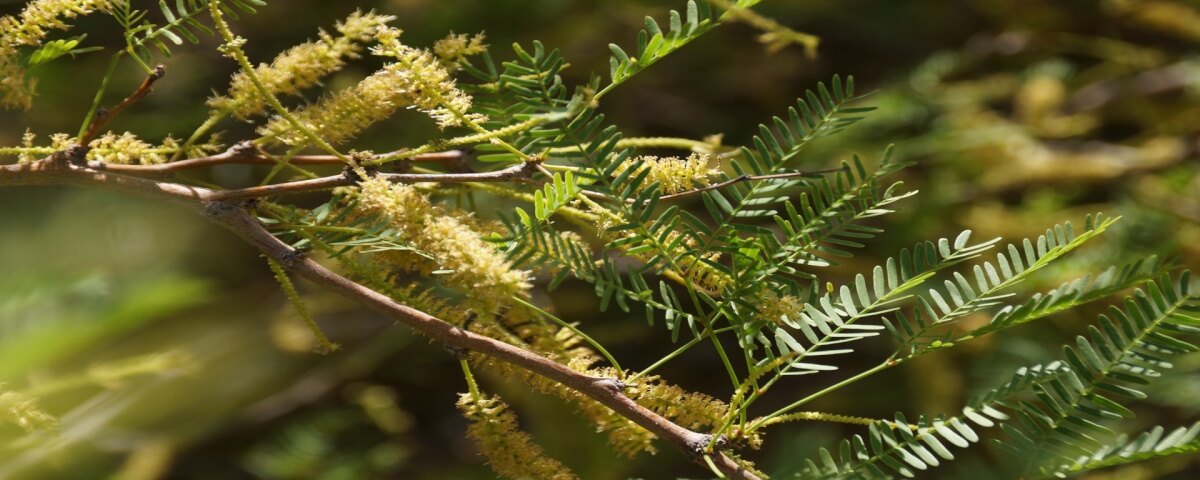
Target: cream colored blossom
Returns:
[415, 79]
[125, 148]
[674, 174]
[510, 451]
[24, 412]
[341, 116]
[41, 16]
[301, 66]
[475, 267]
[780, 309]
[16, 90]
[456, 47]
[426, 82]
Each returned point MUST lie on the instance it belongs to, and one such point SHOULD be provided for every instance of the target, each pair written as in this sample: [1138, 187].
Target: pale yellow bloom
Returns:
[674, 174]
[455, 47]
[125, 148]
[510, 451]
[474, 266]
[301, 66]
[426, 82]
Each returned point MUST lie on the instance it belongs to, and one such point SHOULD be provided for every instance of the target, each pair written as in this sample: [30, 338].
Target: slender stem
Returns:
[325, 183]
[584, 336]
[285, 161]
[470, 378]
[794, 405]
[102, 118]
[87, 120]
[725, 359]
[678, 351]
[212, 120]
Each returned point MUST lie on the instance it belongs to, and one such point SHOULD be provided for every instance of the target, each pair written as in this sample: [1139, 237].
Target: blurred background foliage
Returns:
[164, 348]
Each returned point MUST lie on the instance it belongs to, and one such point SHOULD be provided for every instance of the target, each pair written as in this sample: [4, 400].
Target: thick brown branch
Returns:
[102, 117]
[58, 170]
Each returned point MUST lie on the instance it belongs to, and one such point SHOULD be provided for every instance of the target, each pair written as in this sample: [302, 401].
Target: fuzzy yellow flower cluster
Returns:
[673, 174]
[626, 437]
[31, 152]
[125, 148]
[415, 79]
[510, 451]
[426, 81]
[341, 116]
[690, 410]
[301, 66]
[28, 29]
[456, 47]
[775, 309]
[476, 268]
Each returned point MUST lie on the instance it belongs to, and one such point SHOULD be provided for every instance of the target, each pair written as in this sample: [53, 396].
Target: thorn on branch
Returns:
[72, 155]
[458, 352]
[243, 149]
[351, 173]
[218, 210]
[696, 447]
[613, 385]
[290, 258]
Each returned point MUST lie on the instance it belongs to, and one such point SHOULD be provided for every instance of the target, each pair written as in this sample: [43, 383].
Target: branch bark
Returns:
[67, 168]
[248, 153]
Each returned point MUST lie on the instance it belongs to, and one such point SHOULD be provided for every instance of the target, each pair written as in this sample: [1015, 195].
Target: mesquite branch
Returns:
[247, 153]
[67, 168]
[103, 116]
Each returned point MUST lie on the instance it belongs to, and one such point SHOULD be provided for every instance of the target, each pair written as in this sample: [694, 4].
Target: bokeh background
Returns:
[167, 350]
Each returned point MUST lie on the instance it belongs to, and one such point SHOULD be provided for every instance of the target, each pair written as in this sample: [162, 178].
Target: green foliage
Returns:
[766, 257]
[1060, 412]
[57, 48]
[181, 23]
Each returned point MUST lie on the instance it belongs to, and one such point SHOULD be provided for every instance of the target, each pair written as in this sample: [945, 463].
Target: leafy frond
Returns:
[961, 297]
[1151, 444]
[903, 448]
[836, 317]
[57, 48]
[561, 190]
[653, 44]
[1126, 351]
[1075, 293]
[181, 23]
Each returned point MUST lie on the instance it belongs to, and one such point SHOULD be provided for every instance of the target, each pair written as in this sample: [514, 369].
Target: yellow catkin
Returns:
[470, 265]
[456, 47]
[780, 309]
[428, 83]
[510, 451]
[301, 66]
[123, 148]
[673, 174]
